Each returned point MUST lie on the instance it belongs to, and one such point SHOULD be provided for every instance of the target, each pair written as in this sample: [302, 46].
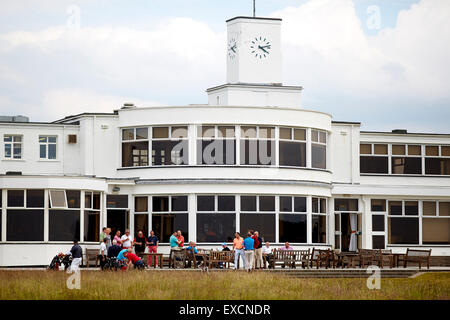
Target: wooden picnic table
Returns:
[154, 257]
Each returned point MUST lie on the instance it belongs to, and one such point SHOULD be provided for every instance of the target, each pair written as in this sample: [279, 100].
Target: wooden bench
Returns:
[322, 257]
[283, 257]
[301, 257]
[217, 258]
[92, 254]
[416, 255]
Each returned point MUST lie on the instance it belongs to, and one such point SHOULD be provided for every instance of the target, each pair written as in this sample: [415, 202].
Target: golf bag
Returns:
[114, 264]
[59, 259]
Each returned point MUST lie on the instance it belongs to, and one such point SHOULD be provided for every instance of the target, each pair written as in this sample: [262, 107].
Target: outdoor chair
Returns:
[91, 255]
[415, 255]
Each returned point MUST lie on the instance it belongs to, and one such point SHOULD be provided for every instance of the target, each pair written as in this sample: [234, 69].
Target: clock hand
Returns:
[262, 48]
[233, 48]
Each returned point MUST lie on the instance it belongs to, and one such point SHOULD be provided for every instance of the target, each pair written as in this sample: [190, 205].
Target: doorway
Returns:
[348, 226]
[117, 220]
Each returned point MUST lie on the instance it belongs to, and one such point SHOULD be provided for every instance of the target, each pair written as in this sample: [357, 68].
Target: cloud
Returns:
[384, 80]
[351, 74]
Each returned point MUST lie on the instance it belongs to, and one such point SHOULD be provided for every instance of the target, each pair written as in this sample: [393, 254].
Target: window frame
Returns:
[11, 144]
[47, 143]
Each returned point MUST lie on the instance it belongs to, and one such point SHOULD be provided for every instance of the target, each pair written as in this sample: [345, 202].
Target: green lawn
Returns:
[214, 285]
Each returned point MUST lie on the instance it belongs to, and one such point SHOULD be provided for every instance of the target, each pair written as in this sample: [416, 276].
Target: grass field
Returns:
[214, 285]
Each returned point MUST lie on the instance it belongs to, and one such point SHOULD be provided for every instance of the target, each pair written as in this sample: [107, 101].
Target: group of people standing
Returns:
[250, 250]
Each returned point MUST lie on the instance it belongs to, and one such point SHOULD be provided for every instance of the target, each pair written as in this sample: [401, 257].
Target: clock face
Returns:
[232, 48]
[260, 47]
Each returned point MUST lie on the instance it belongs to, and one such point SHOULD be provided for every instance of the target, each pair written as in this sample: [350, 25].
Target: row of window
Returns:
[13, 147]
[410, 222]
[221, 145]
[218, 219]
[25, 215]
[404, 159]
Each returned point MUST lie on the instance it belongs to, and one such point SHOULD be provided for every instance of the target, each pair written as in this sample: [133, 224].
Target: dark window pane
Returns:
[96, 201]
[437, 166]
[248, 203]
[263, 223]
[216, 227]
[257, 152]
[165, 224]
[286, 204]
[140, 204]
[134, 154]
[35, 198]
[160, 204]
[378, 242]
[403, 230]
[64, 225]
[411, 208]
[378, 205]
[117, 220]
[165, 153]
[319, 229]
[346, 204]
[319, 156]
[141, 224]
[205, 203]
[25, 225]
[374, 164]
[315, 205]
[266, 203]
[226, 203]
[216, 152]
[16, 198]
[292, 228]
[292, 154]
[92, 226]
[395, 208]
[407, 165]
[116, 201]
[88, 200]
[377, 223]
[179, 203]
[73, 198]
[299, 204]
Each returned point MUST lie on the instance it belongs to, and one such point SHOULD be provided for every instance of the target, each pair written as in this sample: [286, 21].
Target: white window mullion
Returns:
[277, 215]
[82, 208]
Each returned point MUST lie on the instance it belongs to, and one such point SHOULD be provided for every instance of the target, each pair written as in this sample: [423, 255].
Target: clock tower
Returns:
[254, 67]
[254, 51]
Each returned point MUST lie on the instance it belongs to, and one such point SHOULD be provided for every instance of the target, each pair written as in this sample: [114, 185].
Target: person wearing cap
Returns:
[76, 253]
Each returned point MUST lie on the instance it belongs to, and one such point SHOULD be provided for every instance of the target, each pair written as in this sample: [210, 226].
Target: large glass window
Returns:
[64, 225]
[405, 160]
[319, 220]
[25, 225]
[292, 219]
[169, 214]
[261, 219]
[403, 222]
[374, 158]
[292, 147]
[257, 145]
[318, 149]
[92, 225]
[216, 145]
[13, 146]
[135, 147]
[216, 218]
[16, 198]
[47, 147]
[116, 201]
[170, 146]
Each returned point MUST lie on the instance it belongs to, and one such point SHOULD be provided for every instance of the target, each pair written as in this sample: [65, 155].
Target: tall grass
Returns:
[215, 285]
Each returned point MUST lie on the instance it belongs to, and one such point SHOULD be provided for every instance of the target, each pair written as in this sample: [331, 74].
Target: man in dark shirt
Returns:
[114, 250]
[152, 243]
[258, 262]
[139, 243]
[76, 253]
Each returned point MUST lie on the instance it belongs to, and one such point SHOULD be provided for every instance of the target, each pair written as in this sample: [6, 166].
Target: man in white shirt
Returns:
[103, 252]
[126, 241]
[267, 253]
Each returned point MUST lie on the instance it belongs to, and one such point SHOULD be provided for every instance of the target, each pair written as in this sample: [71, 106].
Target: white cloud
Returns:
[344, 71]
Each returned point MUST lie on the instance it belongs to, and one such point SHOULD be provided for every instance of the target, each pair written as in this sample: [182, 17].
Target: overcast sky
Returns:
[383, 63]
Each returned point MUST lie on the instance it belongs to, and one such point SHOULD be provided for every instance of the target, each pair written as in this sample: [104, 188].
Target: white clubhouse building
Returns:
[252, 158]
